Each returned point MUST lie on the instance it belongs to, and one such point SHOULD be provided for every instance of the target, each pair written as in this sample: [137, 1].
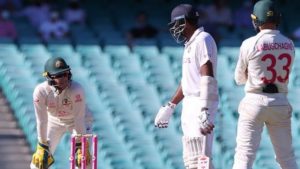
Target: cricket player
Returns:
[264, 64]
[59, 105]
[198, 88]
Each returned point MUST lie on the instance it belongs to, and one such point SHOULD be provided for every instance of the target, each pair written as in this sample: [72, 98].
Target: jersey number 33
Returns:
[279, 67]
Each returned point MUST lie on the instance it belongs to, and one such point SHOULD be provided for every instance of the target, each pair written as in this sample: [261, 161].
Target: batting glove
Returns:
[42, 158]
[206, 126]
[164, 114]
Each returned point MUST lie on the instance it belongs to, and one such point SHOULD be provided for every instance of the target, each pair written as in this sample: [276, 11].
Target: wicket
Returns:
[84, 140]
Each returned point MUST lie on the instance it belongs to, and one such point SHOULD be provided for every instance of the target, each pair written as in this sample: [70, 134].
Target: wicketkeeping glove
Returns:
[79, 154]
[164, 114]
[42, 158]
[206, 126]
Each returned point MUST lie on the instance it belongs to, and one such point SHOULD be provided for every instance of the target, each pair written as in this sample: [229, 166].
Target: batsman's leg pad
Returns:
[185, 153]
[193, 147]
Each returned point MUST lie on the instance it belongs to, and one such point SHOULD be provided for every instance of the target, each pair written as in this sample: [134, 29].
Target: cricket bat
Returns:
[203, 161]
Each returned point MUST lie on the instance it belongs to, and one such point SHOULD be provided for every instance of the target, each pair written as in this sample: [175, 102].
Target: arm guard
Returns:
[208, 89]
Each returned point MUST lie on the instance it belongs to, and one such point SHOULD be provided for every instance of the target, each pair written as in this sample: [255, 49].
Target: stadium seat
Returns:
[89, 49]
[111, 37]
[8, 48]
[230, 42]
[117, 49]
[33, 49]
[6, 40]
[125, 87]
[61, 41]
[61, 49]
[175, 52]
[32, 39]
[232, 53]
[165, 39]
[224, 73]
[146, 51]
[127, 63]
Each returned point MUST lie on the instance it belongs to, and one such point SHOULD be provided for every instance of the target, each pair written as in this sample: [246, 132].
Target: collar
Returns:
[195, 34]
[266, 31]
[56, 92]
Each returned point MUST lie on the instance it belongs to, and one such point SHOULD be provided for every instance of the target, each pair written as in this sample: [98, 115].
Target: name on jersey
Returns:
[275, 46]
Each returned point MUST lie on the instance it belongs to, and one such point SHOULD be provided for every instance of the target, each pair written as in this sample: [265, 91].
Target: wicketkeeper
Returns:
[60, 107]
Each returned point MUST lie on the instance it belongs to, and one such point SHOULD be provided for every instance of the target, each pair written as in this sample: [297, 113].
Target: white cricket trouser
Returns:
[191, 127]
[56, 130]
[274, 111]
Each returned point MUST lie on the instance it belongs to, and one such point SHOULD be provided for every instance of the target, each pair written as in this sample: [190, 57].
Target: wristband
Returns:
[172, 105]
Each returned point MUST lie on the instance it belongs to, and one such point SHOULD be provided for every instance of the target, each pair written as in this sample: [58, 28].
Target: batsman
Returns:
[198, 88]
[59, 105]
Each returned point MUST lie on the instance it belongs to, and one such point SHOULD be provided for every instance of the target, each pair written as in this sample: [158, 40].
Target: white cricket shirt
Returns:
[67, 108]
[200, 48]
[265, 58]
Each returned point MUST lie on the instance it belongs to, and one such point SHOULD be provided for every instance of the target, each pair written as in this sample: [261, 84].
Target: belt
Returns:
[270, 88]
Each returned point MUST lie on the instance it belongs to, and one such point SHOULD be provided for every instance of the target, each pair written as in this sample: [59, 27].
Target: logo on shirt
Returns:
[66, 101]
[187, 60]
[78, 98]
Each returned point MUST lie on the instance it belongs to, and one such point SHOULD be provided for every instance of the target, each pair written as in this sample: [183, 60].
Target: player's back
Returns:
[270, 56]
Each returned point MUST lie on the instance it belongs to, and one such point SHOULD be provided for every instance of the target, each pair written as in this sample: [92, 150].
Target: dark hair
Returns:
[192, 21]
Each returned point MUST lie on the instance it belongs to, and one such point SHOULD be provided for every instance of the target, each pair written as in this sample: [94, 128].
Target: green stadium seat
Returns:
[165, 39]
[8, 48]
[117, 49]
[127, 63]
[89, 50]
[146, 51]
[175, 52]
[33, 49]
[144, 42]
[111, 37]
[61, 41]
[29, 39]
[61, 49]
[124, 89]
[225, 75]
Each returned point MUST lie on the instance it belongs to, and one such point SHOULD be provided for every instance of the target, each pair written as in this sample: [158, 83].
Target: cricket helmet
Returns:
[55, 66]
[179, 16]
[265, 11]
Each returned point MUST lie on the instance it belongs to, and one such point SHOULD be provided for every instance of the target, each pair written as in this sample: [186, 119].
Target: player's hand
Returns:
[206, 126]
[79, 155]
[164, 114]
[42, 158]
